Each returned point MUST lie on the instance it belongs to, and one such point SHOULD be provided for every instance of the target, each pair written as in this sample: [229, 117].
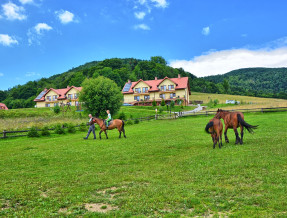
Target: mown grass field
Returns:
[247, 102]
[163, 168]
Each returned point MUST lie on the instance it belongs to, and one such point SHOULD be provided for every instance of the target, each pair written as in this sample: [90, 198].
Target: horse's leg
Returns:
[100, 134]
[120, 133]
[225, 134]
[106, 134]
[237, 135]
[241, 129]
[220, 137]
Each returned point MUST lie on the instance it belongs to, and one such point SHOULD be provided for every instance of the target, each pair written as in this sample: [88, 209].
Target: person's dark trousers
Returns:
[91, 129]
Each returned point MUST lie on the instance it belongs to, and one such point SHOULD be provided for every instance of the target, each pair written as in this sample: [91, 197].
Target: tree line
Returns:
[242, 82]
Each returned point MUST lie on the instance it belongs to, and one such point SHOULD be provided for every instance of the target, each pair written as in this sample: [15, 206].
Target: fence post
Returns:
[206, 112]
[4, 133]
[262, 110]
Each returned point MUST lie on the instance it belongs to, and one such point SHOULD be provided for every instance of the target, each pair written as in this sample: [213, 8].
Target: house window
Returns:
[54, 97]
[48, 98]
[145, 89]
[56, 104]
[47, 105]
[70, 96]
[172, 95]
[163, 88]
[162, 96]
[138, 90]
[170, 87]
[76, 103]
[146, 97]
[75, 95]
[137, 98]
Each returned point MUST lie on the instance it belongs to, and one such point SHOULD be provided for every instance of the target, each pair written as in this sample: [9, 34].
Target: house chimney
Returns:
[155, 78]
[178, 75]
[129, 81]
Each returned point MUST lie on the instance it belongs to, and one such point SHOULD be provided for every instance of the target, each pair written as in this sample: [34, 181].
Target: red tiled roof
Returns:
[3, 107]
[181, 83]
[61, 92]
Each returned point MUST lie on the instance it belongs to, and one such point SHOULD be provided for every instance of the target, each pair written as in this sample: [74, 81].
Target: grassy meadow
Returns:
[247, 102]
[163, 168]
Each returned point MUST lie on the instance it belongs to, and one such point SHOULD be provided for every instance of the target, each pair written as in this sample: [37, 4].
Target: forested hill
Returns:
[262, 82]
[265, 82]
[119, 70]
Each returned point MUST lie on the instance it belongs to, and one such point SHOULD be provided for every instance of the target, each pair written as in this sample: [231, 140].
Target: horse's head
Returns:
[218, 113]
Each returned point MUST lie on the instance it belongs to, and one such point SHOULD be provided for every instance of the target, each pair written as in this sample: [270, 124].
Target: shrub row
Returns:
[57, 129]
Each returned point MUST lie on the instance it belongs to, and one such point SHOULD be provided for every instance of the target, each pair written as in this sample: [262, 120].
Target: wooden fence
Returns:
[173, 115]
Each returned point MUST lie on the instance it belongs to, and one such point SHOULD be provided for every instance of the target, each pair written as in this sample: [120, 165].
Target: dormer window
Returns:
[54, 97]
[163, 88]
[137, 90]
[145, 90]
[170, 87]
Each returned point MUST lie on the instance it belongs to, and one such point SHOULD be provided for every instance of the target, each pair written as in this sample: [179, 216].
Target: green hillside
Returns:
[263, 82]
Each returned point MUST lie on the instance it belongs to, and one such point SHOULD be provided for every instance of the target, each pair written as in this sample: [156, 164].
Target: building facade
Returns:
[52, 97]
[145, 92]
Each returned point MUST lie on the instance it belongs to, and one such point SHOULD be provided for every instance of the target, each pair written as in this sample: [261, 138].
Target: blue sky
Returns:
[40, 38]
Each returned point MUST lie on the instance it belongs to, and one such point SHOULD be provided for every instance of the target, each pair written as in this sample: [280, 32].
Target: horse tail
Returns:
[246, 125]
[210, 124]
[123, 125]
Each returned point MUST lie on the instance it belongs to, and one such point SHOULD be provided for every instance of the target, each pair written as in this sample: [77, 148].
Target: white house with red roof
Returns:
[145, 92]
[52, 97]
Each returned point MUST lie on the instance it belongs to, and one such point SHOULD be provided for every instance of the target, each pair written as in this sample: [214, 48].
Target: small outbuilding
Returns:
[3, 107]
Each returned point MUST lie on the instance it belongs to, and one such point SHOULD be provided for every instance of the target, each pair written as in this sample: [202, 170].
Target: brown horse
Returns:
[233, 120]
[119, 124]
[215, 127]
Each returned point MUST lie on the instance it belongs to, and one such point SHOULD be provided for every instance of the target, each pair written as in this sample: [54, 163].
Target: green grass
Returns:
[163, 168]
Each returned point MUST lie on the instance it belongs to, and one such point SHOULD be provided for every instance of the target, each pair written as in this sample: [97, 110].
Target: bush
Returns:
[129, 122]
[160, 109]
[57, 109]
[33, 132]
[45, 131]
[122, 116]
[215, 102]
[162, 103]
[83, 127]
[71, 128]
[137, 121]
[153, 103]
[59, 130]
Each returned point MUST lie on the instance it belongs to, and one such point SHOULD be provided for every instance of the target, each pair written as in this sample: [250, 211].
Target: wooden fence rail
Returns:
[173, 115]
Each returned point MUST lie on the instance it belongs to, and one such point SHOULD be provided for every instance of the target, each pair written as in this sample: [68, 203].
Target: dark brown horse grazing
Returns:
[119, 124]
[233, 120]
[215, 127]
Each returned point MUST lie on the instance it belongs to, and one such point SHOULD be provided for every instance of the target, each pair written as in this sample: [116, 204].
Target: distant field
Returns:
[246, 101]
[163, 168]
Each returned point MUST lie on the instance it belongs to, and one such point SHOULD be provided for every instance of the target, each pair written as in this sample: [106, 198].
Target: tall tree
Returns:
[101, 94]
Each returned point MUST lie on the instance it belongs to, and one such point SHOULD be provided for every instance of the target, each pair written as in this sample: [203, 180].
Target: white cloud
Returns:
[26, 1]
[220, 62]
[205, 31]
[1, 74]
[32, 74]
[36, 33]
[65, 16]
[140, 15]
[142, 26]
[13, 12]
[160, 3]
[40, 27]
[7, 40]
